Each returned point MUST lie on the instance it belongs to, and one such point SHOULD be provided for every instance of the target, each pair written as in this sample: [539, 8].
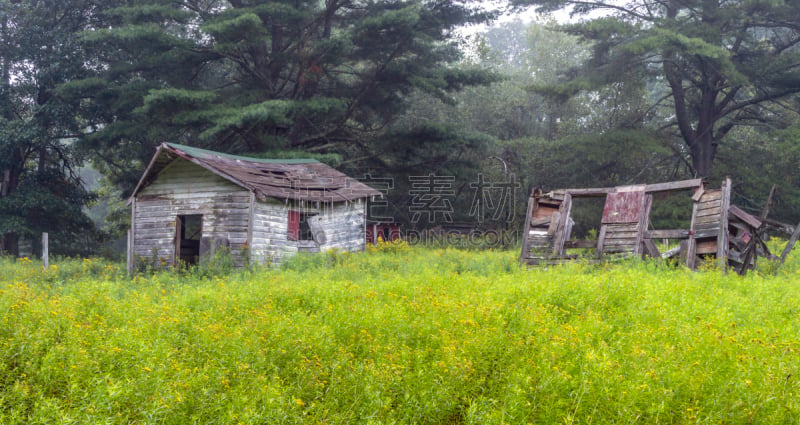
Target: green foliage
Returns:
[719, 65]
[251, 77]
[41, 190]
[423, 336]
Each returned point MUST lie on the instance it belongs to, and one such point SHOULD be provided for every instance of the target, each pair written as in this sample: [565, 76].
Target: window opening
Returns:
[298, 226]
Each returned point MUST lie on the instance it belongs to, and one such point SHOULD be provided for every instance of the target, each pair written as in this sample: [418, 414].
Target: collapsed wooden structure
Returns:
[718, 229]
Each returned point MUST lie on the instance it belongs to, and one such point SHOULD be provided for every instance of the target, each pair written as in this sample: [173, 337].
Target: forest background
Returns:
[388, 91]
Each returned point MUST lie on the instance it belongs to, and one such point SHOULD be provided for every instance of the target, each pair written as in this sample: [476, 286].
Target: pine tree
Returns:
[721, 64]
[41, 190]
[263, 76]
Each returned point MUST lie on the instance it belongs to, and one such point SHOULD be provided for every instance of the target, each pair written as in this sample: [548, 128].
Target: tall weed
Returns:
[417, 335]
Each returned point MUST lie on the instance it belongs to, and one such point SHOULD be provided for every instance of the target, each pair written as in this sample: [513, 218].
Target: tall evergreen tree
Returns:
[41, 190]
[723, 63]
[264, 75]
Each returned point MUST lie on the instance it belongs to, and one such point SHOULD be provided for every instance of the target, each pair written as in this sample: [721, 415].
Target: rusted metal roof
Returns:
[296, 179]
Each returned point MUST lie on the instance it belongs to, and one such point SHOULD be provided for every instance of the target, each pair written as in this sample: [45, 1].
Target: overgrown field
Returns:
[399, 336]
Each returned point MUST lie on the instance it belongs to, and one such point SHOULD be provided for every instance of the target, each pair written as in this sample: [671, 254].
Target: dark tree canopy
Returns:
[722, 64]
[263, 76]
[40, 190]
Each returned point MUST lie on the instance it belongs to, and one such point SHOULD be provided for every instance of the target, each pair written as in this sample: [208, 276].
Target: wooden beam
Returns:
[541, 221]
[526, 228]
[650, 248]
[790, 244]
[644, 221]
[581, 193]
[561, 229]
[698, 193]
[602, 191]
[768, 204]
[667, 234]
[751, 220]
[677, 185]
[132, 237]
[748, 255]
[781, 227]
[722, 237]
[691, 243]
[580, 244]
[601, 240]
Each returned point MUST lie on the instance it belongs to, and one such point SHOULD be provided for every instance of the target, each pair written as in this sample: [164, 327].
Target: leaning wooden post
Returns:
[722, 236]
[129, 259]
[790, 244]
[45, 251]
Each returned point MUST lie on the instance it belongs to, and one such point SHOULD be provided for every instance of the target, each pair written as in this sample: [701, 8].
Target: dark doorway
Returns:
[187, 244]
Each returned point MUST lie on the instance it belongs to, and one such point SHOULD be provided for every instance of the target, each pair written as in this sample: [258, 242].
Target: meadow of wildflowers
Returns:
[401, 335]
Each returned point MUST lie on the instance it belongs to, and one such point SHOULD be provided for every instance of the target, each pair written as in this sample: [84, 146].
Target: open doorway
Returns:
[187, 241]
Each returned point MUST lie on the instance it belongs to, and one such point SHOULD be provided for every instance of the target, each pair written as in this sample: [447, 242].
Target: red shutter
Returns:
[294, 225]
[369, 234]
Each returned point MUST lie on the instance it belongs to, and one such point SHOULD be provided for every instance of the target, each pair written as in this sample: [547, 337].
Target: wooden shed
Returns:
[190, 202]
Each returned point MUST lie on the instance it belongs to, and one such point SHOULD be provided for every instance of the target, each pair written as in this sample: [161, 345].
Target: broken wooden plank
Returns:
[698, 193]
[691, 244]
[621, 235]
[561, 229]
[790, 244]
[601, 239]
[651, 249]
[672, 252]
[706, 233]
[539, 221]
[580, 244]
[623, 227]
[706, 247]
[722, 237]
[709, 208]
[751, 220]
[528, 218]
[708, 219]
[602, 191]
[677, 185]
[644, 221]
[616, 242]
[616, 249]
[711, 195]
[667, 234]
[781, 227]
[768, 204]
[544, 211]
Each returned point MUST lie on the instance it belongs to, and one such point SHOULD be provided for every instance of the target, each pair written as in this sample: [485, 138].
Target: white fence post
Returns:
[45, 251]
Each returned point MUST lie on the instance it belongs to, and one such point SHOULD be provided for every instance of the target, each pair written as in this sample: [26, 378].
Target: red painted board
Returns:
[623, 207]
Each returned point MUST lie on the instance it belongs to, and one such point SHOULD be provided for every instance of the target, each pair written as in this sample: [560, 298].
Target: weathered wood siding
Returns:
[184, 188]
[343, 225]
[270, 232]
[339, 226]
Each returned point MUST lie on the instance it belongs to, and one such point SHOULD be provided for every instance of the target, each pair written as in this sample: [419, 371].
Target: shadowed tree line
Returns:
[648, 92]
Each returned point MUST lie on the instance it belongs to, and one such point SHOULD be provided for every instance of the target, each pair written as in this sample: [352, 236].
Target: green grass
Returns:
[399, 336]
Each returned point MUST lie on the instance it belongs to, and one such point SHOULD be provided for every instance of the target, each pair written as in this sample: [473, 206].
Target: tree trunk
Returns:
[10, 244]
[703, 151]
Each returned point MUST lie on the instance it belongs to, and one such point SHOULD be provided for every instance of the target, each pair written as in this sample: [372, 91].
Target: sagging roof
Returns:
[296, 179]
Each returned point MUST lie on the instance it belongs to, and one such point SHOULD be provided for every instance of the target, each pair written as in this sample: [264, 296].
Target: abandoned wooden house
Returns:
[190, 202]
[717, 231]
